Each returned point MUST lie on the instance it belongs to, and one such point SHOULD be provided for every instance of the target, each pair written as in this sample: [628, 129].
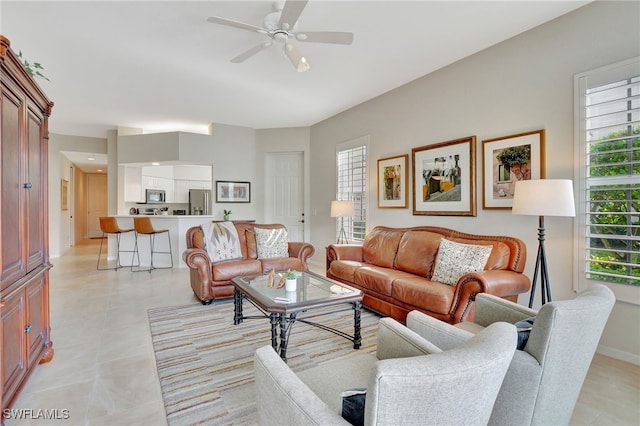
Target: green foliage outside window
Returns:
[615, 209]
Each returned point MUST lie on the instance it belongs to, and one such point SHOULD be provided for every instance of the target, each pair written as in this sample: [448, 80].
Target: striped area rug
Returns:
[205, 363]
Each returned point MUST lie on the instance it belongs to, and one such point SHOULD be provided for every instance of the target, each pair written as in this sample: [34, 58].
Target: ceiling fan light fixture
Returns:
[303, 65]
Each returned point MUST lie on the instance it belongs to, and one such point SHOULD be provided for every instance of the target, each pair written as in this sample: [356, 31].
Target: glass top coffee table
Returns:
[284, 308]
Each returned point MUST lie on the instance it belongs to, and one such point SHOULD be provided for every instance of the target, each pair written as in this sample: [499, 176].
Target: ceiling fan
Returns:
[281, 27]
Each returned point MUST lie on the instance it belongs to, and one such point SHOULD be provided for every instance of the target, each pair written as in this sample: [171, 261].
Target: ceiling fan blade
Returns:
[299, 62]
[235, 24]
[326, 37]
[290, 13]
[249, 53]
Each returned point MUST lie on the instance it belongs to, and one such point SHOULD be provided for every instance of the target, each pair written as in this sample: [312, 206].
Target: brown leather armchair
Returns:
[211, 281]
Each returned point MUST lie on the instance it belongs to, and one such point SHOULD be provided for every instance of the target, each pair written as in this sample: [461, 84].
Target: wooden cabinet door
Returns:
[35, 327]
[12, 260]
[35, 181]
[14, 351]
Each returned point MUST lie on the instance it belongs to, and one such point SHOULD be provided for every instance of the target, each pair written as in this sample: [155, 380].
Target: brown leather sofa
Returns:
[211, 281]
[394, 266]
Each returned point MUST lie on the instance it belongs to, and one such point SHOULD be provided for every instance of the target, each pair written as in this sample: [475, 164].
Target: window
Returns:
[351, 166]
[608, 178]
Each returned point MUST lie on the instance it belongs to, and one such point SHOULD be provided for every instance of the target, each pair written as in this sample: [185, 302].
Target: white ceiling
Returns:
[160, 66]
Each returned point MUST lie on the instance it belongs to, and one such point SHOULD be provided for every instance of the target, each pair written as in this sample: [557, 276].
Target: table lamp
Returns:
[543, 197]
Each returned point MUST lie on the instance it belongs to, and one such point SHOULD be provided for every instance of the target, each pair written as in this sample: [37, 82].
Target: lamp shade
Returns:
[544, 197]
[341, 208]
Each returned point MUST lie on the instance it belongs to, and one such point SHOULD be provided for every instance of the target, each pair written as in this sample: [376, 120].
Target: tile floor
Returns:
[103, 371]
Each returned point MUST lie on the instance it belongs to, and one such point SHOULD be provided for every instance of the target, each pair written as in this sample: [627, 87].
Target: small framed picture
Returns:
[506, 160]
[233, 192]
[64, 195]
[393, 181]
[444, 178]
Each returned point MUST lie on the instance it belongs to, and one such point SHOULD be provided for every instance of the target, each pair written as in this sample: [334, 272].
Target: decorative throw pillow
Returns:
[221, 241]
[271, 242]
[353, 401]
[524, 328]
[456, 259]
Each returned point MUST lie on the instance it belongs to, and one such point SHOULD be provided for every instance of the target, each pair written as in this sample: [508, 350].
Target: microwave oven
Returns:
[155, 196]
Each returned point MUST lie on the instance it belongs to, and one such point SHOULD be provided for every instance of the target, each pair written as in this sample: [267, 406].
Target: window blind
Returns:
[352, 184]
[611, 115]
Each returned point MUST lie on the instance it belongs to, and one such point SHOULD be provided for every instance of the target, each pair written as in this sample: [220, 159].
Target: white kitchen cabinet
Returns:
[181, 194]
[183, 186]
[133, 188]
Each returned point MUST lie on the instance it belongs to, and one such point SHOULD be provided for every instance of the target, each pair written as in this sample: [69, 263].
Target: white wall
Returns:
[59, 168]
[283, 140]
[522, 84]
[230, 150]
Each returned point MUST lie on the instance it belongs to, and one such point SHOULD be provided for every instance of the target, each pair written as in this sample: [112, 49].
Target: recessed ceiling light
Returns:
[91, 159]
[100, 170]
[155, 164]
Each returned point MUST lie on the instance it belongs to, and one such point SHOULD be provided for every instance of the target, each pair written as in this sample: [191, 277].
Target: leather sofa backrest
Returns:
[414, 249]
[417, 252]
[381, 245]
[246, 236]
[499, 257]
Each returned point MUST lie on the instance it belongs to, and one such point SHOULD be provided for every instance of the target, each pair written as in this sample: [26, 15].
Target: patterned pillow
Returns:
[221, 241]
[456, 259]
[271, 242]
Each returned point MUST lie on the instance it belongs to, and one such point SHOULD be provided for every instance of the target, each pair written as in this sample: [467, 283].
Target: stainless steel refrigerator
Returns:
[200, 201]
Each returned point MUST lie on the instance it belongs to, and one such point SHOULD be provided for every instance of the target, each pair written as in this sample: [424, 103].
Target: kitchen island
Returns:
[177, 226]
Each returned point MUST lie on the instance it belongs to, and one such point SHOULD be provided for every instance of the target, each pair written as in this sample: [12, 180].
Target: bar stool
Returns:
[142, 225]
[109, 226]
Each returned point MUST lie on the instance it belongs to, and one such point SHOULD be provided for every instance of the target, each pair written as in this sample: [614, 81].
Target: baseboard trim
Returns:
[618, 354]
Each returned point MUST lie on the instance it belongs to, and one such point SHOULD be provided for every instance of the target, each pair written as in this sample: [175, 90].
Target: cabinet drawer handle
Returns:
[27, 329]
[27, 185]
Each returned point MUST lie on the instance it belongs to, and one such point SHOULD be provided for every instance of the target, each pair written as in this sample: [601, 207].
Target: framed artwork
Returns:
[233, 192]
[64, 194]
[444, 178]
[393, 179]
[507, 160]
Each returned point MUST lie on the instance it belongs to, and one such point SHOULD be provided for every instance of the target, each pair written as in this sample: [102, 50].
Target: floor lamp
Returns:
[341, 209]
[543, 197]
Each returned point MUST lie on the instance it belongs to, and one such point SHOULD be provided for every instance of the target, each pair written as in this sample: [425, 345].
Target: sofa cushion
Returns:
[380, 247]
[221, 241]
[424, 294]
[225, 271]
[281, 264]
[456, 259]
[271, 243]
[378, 279]
[417, 252]
[345, 269]
[500, 254]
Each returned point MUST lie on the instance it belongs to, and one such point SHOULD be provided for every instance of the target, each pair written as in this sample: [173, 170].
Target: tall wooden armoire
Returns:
[25, 332]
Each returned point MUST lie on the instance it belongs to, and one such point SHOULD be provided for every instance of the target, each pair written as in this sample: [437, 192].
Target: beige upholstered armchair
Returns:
[545, 378]
[408, 381]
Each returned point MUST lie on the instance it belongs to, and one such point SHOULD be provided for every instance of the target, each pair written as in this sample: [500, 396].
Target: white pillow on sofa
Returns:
[456, 259]
[221, 241]
[271, 242]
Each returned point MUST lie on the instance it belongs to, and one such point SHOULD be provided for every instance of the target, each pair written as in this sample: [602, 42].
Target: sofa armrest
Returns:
[343, 252]
[397, 341]
[302, 251]
[441, 334]
[200, 264]
[497, 282]
[490, 309]
[502, 282]
[282, 398]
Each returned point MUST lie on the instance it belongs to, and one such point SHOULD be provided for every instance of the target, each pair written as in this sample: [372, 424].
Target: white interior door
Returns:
[96, 203]
[284, 198]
